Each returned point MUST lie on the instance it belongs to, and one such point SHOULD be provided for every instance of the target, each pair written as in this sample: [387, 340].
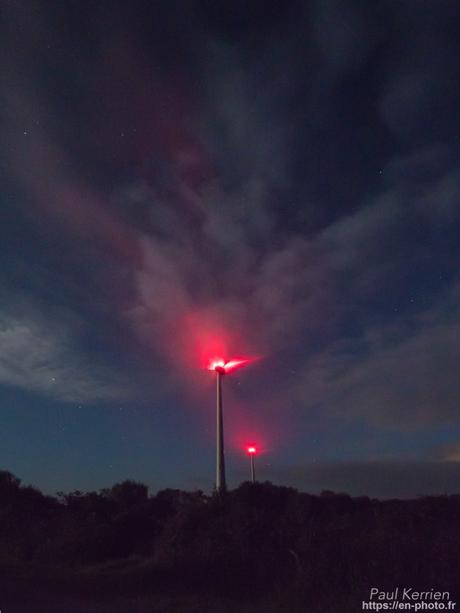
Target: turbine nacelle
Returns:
[224, 367]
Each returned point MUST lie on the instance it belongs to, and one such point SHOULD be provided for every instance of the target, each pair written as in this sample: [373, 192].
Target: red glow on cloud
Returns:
[205, 340]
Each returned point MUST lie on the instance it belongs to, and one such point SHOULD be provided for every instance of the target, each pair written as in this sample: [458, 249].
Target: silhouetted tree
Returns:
[257, 540]
[9, 485]
[129, 493]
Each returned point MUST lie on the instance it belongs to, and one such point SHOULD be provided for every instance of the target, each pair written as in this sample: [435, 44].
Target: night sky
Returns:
[184, 180]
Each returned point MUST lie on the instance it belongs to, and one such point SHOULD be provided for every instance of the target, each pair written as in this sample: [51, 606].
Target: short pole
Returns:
[252, 452]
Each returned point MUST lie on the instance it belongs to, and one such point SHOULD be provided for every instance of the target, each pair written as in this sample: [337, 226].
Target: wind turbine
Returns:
[221, 368]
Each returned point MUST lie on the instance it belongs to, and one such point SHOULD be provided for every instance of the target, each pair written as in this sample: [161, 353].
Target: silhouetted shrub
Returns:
[129, 494]
[257, 538]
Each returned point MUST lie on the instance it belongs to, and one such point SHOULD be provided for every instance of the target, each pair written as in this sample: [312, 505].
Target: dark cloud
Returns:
[420, 88]
[402, 376]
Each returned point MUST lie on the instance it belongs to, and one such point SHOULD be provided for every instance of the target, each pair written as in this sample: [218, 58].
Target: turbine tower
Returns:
[221, 484]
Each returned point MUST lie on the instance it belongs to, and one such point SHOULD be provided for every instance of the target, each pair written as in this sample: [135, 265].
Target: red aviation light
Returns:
[215, 364]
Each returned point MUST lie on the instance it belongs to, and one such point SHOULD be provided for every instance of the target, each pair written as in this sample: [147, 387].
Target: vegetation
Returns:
[260, 545]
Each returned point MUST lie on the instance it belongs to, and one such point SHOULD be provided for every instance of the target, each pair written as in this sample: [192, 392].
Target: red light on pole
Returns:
[252, 452]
